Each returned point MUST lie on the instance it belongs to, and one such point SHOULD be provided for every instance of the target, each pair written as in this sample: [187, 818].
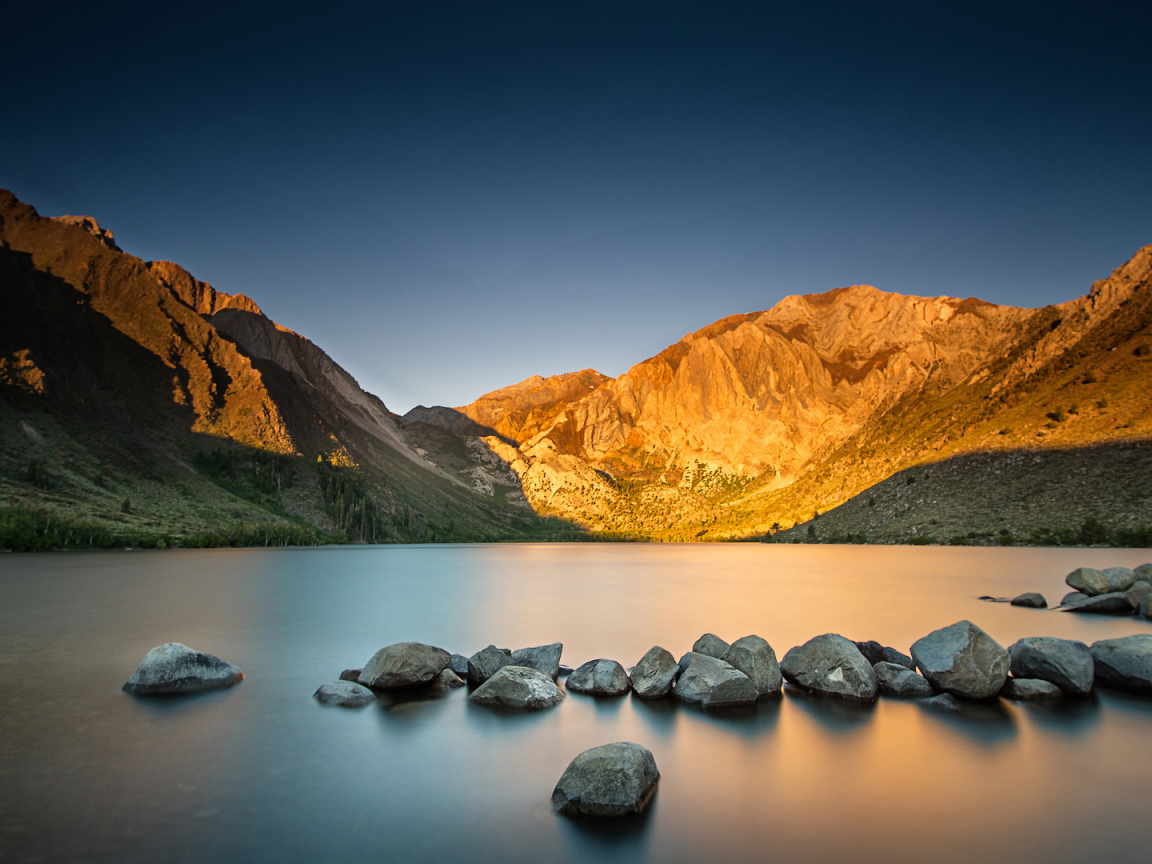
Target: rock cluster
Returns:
[1111, 591]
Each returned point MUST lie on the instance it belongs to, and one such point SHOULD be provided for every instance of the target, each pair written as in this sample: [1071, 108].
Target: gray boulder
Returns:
[1146, 607]
[1030, 600]
[1062, 662]
[1138, 592]
[518, 687]
[1108, 581]
[943, 702]
[712, 683]
[832, 665]
[599, 678]
[485, 663]
[565, 670]
[654, 675]
[175, 668]
[1073, 598]
[348, 694]
[711, 645]
[546, 658]
[1029, 688]
[1116, 603]
[962, 660]
[350, 675]
[459, 665]
[875, 653]
[610, 780]
[405, 664]
[901, 682]
[755, 658]
[1125, 663]
[1143, 572]
[449, 680]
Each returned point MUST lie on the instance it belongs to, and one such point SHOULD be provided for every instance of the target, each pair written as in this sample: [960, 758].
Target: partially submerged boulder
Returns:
[350, 675]
[1063, 662]
[610, 780]
[711, 645]
[599, 678]
[459, 665]
[712, 683]
[347, 694]
[546, 658]
[1125, 663]
[1146, 607]
[449, 680]
[1138, 592]
[901, 682]
[1073, 598]
[1088, 580]
[487, 662]
[405, 664]
[1030, 600]
[175, 668]
[1143, 572]
[1116, 603]
[944, 702]
[962, 660]
[654, 675]
[1029, 688]
[518, 687]
[875, 653]
[755, 658]
[831, 665]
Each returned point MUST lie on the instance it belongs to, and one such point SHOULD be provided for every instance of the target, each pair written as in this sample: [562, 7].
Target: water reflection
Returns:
[987, 723]
[836, 715]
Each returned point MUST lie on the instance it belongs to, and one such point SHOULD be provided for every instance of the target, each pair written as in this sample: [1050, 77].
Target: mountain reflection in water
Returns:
[263, 772]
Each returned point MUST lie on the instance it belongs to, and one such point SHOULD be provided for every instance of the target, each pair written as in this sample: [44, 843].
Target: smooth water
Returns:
[263, 772]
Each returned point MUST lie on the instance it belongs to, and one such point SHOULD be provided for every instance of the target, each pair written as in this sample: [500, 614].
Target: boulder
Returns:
[711, 645]
[1074, 598]
[175, 668]
[943, 702]
[875, 653]
[1029, 688]
[1146, 607]
[518, 687]
[901, 682]
[1125, 663]
[1138, 592]
[449, 680]
[459, 665]
[654, 675]
[832, 665]
[564, 670]
[1093, 582]
[484, 664]
[755, 658]
[349, 694]
[599, 678]
[350, 675]
[1116, 603]
[712, 683]
[546, 658]
[1030, 600]
[962, 660]
[405, 664]
[1062, 662]
[610, 780]
[1143, 572]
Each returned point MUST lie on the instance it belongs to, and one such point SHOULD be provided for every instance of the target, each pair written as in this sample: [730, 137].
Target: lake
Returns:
[262, 771]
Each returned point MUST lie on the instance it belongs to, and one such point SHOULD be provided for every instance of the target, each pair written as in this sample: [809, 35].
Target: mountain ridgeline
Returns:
[139, 405]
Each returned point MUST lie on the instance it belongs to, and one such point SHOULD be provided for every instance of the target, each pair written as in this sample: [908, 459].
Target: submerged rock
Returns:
[610, 780]
[875, 653]
[900, 682]
[1029, 688]
[1116, 603]
[832, 665]
[346, 693]
[518, 687]
[599, 678]
[175, 668]
[1125, 663]
[1092, 582]
[943, 702]
[1030, 600]
[755, 658]
[654, 675]
[711, 645]
[546, 658]
[487, 662]
[405, 664]
[1062, 662]
[962, 660]
[712, 683]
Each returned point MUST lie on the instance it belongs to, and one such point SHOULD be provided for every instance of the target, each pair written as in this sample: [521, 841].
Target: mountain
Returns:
[137, 401]
[758, 421]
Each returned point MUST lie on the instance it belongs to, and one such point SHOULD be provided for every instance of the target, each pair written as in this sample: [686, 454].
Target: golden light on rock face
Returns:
[18, 370]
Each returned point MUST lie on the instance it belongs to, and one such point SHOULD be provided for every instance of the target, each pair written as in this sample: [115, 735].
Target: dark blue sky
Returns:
[449, 198]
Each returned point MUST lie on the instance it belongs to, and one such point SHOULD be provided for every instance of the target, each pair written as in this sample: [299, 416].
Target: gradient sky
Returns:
[450, 198]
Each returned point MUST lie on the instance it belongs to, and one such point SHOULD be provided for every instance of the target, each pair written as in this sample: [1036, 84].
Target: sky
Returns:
[449, 198]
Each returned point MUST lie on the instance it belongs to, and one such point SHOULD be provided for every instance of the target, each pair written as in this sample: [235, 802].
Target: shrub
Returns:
[921, 540]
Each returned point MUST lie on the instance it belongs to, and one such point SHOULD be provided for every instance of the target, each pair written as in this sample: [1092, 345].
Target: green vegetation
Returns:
[347, 501]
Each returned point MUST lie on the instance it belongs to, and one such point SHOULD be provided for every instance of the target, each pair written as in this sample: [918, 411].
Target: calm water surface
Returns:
[263, 772]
